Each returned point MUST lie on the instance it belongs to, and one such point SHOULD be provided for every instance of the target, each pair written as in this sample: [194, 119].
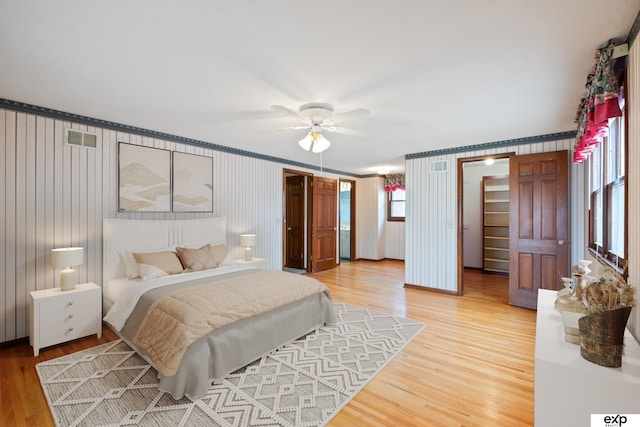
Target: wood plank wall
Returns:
[431, 233]
[633, 180]
[56, 196]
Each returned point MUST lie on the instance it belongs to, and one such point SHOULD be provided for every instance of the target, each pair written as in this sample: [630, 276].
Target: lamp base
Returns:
[68, 279]
[248, 253]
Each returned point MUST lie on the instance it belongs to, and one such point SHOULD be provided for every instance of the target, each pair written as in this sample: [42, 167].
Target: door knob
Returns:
[561, 242]
[289, 228]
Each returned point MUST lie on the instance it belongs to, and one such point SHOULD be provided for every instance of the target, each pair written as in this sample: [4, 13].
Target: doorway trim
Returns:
[459, 209]
[352, 219]
[308, 218]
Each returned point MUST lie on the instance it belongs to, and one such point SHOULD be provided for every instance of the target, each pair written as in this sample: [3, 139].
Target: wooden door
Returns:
[294, 221]
[325, 223]
[538, 225]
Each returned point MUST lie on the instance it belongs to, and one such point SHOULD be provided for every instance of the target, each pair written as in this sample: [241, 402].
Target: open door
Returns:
[294, 220]
[538, 225]
[325, 224]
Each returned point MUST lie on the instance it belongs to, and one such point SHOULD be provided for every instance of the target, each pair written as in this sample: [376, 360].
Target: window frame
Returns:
[611, 174]
[390, 202]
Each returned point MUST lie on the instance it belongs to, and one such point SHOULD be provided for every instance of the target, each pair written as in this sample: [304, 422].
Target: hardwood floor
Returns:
[472, 365]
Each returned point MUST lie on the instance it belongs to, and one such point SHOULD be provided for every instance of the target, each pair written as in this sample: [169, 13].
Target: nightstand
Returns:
[57, 316]
[255, 262]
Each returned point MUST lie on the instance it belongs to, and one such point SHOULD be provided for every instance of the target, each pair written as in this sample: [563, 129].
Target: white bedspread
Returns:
[126, 302]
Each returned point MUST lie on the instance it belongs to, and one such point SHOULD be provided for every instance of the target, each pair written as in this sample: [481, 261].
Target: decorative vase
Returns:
[602, 336]
[584, 264]
[571, 308]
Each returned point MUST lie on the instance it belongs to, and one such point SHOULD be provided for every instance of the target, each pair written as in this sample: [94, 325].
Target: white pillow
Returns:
[150, 271]
[130, 264]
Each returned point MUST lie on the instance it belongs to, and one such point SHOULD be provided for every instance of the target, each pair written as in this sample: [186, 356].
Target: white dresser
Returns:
[568, 388]
[57, 316]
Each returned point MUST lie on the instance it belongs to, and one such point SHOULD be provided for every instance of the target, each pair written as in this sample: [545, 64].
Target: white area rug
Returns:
[304, 383]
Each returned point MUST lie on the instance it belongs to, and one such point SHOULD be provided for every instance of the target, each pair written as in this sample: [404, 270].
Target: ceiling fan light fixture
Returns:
[314, 141]
[306, 142]
[320, 143]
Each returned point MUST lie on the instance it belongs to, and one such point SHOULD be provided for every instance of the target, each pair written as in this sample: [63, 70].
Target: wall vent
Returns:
[438, 166]
[78, 138]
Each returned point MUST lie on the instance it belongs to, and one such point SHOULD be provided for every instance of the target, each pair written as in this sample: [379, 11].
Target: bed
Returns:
[130, 305]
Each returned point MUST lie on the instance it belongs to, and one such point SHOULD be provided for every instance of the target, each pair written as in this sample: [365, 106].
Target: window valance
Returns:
[394, 182]
[600, 104]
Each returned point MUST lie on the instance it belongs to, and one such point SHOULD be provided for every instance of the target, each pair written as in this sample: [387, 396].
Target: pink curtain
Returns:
[394, 182]
[600, 104]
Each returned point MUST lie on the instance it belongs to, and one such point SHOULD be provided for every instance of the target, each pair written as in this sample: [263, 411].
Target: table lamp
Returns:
[247, 240]
[66, 258]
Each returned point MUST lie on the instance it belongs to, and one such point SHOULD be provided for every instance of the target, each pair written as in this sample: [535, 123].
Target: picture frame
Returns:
[144, 179]
[192, 183]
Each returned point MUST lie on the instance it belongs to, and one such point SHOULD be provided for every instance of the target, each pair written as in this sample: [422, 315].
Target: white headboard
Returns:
[143, 235]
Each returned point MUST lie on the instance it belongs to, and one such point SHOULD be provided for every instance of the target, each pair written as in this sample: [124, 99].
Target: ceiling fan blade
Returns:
[301, 126]
[350, 115]
[287, 111]
[349, 131]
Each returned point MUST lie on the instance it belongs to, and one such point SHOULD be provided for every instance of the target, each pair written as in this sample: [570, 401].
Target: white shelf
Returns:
[495, 220]
[568, 388]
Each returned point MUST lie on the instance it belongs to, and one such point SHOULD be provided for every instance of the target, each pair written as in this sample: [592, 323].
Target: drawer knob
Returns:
[70, 329]
[71, 316]
[70, 303]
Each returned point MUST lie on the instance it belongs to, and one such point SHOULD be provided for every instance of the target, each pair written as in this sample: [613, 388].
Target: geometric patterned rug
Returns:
[304, 383]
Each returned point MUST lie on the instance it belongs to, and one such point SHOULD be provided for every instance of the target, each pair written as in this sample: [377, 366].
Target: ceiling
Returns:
[431, 74]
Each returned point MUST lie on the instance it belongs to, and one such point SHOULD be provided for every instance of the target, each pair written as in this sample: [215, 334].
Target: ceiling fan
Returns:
[318, 116]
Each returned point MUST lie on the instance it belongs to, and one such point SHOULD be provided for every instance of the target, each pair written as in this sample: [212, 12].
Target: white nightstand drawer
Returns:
[61, 306]
[57, 316]
[67, 330]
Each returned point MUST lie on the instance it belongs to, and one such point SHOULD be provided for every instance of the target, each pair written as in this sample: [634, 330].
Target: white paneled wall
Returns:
[431, 223]
[633, 180]
[394, 239]
[370, 218]
[56, 196]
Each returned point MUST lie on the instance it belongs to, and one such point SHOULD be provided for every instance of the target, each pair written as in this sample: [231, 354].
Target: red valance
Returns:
[394, 182]
[600, 104]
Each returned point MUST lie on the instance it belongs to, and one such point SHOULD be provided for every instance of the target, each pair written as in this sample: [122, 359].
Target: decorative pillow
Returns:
[203, 258]
[130, 264]
[167, 261]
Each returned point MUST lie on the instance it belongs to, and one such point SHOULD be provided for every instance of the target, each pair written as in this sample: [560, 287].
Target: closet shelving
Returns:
[495, 212]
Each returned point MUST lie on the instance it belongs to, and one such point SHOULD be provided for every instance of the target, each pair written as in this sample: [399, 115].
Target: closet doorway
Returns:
[538, 228]
[483, 199]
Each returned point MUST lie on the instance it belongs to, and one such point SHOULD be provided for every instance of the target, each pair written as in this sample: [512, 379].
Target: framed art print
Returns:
[144, 179]
[192, 183]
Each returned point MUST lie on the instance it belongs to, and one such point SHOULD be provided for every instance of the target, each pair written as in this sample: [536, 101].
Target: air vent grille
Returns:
[436, 166]
[78, 138]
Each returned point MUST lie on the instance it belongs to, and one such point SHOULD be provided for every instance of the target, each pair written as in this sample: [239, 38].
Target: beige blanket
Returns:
[176, 320]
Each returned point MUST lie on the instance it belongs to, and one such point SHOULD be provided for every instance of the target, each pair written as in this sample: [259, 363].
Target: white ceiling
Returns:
[431, 73]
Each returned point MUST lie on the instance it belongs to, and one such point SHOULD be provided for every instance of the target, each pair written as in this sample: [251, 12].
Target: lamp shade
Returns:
[247, 240]
[67, 257]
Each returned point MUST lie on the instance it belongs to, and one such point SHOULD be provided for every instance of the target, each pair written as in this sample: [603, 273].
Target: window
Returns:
[607, 219]
[395, 205]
